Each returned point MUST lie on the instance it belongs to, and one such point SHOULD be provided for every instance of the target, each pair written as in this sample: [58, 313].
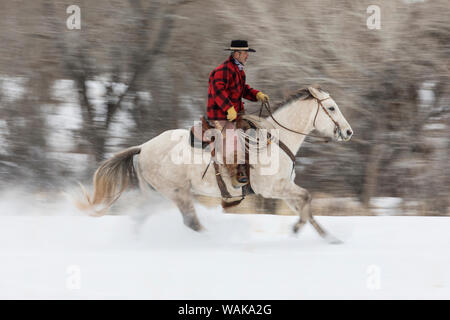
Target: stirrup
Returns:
[236, 184]
[240, 179]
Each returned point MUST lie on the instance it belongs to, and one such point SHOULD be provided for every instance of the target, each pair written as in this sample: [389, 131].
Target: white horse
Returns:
[310, 109]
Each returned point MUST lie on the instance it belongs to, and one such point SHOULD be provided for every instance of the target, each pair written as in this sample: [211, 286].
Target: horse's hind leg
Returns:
[184, 202]
[182, 197]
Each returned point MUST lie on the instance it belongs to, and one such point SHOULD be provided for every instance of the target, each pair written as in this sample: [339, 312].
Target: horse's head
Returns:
[328, 119]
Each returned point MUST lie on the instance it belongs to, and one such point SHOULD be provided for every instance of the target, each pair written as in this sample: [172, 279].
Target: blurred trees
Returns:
[126, 61]
[149, 61]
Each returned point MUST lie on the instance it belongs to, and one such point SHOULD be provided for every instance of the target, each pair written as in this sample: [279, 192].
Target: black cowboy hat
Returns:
[240, 45]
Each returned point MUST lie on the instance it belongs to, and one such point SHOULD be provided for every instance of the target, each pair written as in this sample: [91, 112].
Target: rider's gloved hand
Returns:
[231, 114]
[262, 97]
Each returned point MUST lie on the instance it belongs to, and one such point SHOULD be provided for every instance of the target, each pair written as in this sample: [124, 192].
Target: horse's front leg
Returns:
[301, 203]
[299, 200]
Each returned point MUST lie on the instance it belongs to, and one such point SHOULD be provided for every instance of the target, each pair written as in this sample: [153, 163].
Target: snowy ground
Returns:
[55, 252]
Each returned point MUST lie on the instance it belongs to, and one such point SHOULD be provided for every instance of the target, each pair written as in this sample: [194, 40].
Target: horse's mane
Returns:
[301, 94]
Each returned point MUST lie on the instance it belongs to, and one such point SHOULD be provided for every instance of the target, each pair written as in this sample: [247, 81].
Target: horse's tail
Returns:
[110, 180]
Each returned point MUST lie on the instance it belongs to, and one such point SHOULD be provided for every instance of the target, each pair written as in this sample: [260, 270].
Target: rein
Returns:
[319, 104]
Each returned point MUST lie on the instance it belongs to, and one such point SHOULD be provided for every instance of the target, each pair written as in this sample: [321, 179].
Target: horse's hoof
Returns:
[201, 229]
[332, 240]
[298, 226]
[197, 227]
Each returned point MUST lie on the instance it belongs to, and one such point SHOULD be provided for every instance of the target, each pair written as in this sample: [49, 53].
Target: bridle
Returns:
[337, 127]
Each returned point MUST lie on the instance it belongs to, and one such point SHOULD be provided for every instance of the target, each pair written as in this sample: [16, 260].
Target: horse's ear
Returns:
[314, 92]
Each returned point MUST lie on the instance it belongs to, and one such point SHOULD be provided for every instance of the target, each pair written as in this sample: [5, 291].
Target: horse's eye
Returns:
[331, 108]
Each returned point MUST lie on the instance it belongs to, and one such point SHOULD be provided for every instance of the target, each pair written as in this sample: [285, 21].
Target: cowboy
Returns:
[227, 87]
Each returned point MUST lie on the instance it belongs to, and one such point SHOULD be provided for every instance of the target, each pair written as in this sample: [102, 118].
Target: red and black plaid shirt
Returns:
[226, 89]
